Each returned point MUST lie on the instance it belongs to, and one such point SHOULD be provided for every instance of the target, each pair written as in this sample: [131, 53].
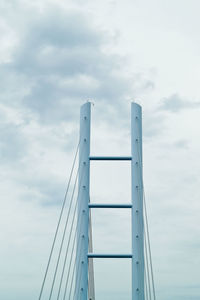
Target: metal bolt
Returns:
[83, 210]
[83, 236]
[81, 289]
[137, 211]
[85, 118]
[84, 186]
[136, 140]
[137, 236]
[137, 262]
[137, 289]
[84, 162]
[82, 262]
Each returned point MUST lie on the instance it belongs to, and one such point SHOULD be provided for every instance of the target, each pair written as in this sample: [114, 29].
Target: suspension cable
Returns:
[64, 233]
[149, 249]
[145, 285]
[147, 227]
[147, 266]
[71, 252]
[58, 224]
[78, 256]
[77, 225]
[79, 278]
[65, 259]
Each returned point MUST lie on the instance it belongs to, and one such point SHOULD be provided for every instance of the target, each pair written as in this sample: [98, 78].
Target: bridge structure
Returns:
[69, 274]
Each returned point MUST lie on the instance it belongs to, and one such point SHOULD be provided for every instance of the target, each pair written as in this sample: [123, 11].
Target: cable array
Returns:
[63, 262]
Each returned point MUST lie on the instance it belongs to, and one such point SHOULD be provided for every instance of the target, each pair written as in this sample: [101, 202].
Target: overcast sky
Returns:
[54, 56]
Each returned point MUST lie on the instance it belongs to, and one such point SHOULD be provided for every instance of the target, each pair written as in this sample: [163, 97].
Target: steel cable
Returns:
[147, 226]
[145, 285]
[149, 249]
[147, 266]
[77, 256]
[73, 273]
[58, 224]
[78, 281]
[78, 222]
[65, 259]
[64, 233]
[71, 254]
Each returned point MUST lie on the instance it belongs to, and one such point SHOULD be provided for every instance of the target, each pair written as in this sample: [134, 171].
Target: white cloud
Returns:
[175, 103]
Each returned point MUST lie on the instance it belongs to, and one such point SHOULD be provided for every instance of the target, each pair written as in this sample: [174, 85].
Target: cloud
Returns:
[12, 144]
[153, 124]
[175, 103]
[60, 61]
[182, 144]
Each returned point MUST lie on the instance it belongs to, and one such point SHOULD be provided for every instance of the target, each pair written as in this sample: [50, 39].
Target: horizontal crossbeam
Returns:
[95, 255]
[110, 158]
[110, 205]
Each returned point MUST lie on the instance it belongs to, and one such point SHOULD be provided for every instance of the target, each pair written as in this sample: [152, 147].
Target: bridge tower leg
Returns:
[83, 201]
[137, 204]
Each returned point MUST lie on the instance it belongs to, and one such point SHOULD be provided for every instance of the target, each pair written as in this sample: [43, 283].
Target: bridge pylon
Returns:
[84, 270]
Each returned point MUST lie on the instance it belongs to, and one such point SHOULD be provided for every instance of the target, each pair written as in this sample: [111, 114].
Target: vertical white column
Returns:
[137, 202]
[83, 200]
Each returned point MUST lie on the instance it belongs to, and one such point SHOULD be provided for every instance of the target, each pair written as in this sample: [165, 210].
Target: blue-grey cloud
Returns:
[13, 145]
[181, 144]
[59, 61]
[175, 103]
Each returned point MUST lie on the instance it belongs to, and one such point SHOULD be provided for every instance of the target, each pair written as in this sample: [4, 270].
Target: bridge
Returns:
[69, 273]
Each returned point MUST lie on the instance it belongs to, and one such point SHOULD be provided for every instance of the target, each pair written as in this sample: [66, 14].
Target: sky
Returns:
[56, 55]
